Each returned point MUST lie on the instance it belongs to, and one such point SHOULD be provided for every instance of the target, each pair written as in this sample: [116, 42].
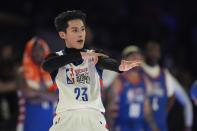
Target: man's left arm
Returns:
[115, 65]
[182, 97]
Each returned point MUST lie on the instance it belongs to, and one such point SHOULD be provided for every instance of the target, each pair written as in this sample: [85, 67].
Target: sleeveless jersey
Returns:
[131, 105]
[158, 99]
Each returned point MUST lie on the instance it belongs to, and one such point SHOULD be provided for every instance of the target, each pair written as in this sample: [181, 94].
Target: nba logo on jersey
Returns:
[70, 76]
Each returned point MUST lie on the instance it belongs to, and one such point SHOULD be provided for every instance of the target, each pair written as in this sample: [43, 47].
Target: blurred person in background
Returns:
[128, 106]
[8, 97]
[36, 90]
[193, 92]
[164, 86]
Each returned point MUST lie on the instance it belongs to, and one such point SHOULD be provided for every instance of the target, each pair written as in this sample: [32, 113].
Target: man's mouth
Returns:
[80, 41]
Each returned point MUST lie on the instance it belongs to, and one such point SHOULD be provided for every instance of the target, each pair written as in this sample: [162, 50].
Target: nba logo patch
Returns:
[70, 76]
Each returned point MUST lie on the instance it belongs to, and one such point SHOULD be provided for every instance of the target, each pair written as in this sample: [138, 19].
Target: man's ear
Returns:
[62, 35]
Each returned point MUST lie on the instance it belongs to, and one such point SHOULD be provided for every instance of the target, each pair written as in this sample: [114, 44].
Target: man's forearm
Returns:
[55, 62]
[108, 63]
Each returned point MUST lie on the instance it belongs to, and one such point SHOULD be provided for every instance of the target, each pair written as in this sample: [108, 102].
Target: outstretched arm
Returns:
[182, 97]
[53, 61]
[118, 66]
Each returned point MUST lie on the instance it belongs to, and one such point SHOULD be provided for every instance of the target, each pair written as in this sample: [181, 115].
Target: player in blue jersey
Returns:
[127, 101]
[78, 75]
[164, 87]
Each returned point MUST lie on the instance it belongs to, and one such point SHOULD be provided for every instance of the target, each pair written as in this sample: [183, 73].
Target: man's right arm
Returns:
[54, 61]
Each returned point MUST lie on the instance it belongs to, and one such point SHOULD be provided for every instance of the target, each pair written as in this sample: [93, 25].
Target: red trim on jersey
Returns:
[101, 84]
[53, 87]
[102, 88]
[22, 110]
[106, 126]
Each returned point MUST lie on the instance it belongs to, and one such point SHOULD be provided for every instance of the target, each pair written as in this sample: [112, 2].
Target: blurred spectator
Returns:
[193, 92]
[36, 89]
[164, 87]
[128, 106]
[8, 97]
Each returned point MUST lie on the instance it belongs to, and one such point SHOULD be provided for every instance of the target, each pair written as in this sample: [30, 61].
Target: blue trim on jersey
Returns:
[100, 72]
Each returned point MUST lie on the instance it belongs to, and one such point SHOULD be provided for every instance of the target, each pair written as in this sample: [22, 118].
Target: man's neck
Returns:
[152, 71]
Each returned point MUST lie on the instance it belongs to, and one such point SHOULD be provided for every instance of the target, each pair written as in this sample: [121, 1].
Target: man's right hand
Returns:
[92, 55]
[127, 65]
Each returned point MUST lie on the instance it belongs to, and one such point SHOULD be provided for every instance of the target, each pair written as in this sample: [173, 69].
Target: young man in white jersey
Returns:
[77, 73]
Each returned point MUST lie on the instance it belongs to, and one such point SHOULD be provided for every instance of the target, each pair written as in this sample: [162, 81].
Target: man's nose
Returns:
[80, 35]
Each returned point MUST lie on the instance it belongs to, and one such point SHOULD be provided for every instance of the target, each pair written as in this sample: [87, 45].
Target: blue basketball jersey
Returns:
[131, 104]
[158, 99]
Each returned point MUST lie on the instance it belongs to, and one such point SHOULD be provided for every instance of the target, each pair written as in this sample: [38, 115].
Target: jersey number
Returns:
[134, 110]
[155, 104]
[81, 93]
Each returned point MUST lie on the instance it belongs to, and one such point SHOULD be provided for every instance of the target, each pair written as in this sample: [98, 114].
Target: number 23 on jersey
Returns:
[81, 93]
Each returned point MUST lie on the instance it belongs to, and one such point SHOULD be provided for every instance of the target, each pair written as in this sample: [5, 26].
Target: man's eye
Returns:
[75, 30]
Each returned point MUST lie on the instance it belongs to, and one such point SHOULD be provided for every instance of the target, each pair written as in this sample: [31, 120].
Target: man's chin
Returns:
[80, 47]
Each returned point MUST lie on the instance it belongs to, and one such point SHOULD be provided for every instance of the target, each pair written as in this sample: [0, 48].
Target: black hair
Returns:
[61, 21]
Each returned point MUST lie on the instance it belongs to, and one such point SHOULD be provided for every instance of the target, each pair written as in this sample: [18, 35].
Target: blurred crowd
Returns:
[113, 25]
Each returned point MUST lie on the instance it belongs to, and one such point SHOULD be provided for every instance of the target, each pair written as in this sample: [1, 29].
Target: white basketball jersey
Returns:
[79, 87]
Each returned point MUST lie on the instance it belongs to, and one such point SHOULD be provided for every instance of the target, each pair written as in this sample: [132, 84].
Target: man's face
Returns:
[153, 52]
[74, 35]
[134, 56]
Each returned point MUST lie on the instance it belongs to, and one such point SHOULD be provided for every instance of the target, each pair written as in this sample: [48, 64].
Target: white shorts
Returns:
[79, 120]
